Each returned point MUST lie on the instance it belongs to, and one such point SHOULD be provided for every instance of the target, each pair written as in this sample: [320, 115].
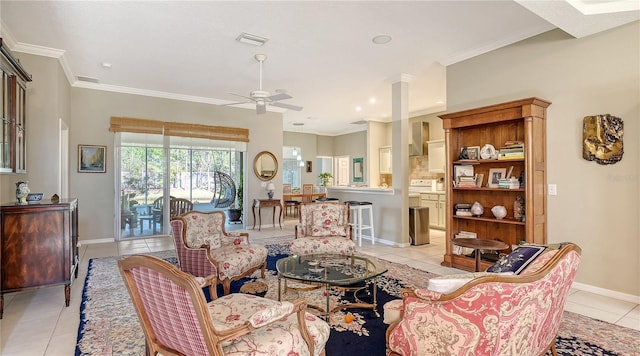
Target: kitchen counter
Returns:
[362, 190]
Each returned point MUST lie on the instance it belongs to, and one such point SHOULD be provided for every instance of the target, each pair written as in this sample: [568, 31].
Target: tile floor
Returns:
[37, 323]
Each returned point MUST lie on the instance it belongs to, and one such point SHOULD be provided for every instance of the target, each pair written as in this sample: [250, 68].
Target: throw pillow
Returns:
[517, 260]
[450, 283]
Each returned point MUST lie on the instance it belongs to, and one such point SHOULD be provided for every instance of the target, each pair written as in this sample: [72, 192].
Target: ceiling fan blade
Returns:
[238, 103]
[260, 109]
[281, 96]
[242, 96]
[287, 106]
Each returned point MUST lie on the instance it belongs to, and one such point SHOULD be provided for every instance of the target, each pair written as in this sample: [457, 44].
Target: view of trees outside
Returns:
[191, 172]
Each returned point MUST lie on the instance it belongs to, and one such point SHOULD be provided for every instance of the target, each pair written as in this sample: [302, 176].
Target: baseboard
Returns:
[635, 299]
[384, 242]
[97, 241]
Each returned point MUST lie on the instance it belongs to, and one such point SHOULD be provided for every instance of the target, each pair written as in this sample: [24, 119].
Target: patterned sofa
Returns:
[489, 315]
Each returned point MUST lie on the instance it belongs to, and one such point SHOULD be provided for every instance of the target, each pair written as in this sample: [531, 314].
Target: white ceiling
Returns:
[319, 52]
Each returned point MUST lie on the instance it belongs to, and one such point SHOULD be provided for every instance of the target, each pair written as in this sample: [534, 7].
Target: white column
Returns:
[400, 151]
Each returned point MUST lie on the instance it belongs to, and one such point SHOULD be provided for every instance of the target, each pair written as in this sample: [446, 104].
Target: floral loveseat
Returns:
[324, 228]
[491, 314]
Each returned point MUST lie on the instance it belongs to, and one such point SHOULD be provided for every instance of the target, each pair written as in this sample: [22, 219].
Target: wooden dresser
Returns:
[38, 246]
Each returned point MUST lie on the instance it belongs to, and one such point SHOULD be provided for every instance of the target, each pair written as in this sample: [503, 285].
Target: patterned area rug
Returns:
[109, 325]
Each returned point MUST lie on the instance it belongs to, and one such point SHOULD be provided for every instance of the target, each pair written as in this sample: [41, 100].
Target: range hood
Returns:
[419, 138]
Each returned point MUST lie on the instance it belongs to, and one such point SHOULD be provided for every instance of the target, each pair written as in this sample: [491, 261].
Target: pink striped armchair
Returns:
[204, 248]
[490, 315]
[177, 320]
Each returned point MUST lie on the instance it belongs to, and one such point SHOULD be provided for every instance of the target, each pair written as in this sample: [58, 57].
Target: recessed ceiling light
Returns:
[106, 64]
[372, 100]
[439, 102]
[250, 39]
[358, 108]
[381, 39]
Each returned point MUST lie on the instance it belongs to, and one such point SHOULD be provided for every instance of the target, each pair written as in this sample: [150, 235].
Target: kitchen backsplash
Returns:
[419, 168]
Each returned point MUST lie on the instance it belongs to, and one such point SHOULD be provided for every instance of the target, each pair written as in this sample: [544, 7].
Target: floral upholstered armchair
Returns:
[205, 248]
[323, 228]
[236, 324]
[489, 315]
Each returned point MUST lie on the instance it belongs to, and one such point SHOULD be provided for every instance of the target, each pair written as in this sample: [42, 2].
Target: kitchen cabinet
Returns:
[436, 156]
[38, 246]
[385, 160]
[436, 204]
[523, 121]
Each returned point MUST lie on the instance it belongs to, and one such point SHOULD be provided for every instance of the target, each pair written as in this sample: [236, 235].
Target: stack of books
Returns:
[466, 181]
[510, 183]
[511, 150]
[463, 209]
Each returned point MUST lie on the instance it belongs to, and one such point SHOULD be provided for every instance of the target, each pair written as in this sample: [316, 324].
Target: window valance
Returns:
[147, 126]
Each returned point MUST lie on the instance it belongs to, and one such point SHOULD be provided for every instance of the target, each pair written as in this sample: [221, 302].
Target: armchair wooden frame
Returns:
[442, 299]
[213, 338]
[197, 257]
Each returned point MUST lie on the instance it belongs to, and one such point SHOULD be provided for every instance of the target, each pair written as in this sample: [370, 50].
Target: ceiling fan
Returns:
[263, 98]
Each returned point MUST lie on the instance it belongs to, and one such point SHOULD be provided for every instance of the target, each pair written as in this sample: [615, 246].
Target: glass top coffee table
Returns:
[351, 273]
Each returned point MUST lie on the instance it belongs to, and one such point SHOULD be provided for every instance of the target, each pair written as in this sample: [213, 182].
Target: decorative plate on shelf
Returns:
[488, 152]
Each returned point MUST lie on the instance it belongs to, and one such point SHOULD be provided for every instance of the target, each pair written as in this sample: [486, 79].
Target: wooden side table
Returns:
[479, 244]
[267, 203]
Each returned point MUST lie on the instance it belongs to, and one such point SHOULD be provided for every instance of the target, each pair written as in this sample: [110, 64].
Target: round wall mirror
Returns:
[265, 165]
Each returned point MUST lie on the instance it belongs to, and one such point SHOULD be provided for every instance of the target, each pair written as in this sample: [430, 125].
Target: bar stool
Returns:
[358, 223]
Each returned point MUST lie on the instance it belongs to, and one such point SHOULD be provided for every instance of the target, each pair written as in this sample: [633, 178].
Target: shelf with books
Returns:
[517, 129]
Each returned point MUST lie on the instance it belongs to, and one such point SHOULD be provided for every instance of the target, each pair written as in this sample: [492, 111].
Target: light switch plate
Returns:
[552, 189]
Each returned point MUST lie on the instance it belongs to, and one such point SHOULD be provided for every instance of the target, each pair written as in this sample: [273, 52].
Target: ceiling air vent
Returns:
[87, 79]
[359, 122]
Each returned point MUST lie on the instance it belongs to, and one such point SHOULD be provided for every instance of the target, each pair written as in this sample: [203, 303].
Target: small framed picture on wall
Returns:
[92, 159]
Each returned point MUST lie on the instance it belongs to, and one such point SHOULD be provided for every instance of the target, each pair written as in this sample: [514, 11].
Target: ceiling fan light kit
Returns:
[262, 98]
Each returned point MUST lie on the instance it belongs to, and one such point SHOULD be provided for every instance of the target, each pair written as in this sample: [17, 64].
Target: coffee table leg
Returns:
[279, 288]
[327, 310]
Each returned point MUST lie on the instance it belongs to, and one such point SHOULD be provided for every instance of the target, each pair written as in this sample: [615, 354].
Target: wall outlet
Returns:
[263, 184]
[552, 189]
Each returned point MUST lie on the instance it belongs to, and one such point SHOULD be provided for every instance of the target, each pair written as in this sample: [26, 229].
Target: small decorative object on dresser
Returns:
[34, 196]
[55, 198]
[22, 191]
[499, 211]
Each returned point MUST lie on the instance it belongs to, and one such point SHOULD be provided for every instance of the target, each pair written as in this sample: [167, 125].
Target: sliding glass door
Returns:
[155, 169]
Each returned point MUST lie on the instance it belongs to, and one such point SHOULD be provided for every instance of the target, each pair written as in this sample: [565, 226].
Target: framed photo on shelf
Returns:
[462, 170]
[473, 152]
[495, 174]
[92, 159]
[479, 179]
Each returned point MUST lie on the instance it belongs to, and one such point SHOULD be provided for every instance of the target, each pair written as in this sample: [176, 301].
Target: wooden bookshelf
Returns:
[522, 120]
